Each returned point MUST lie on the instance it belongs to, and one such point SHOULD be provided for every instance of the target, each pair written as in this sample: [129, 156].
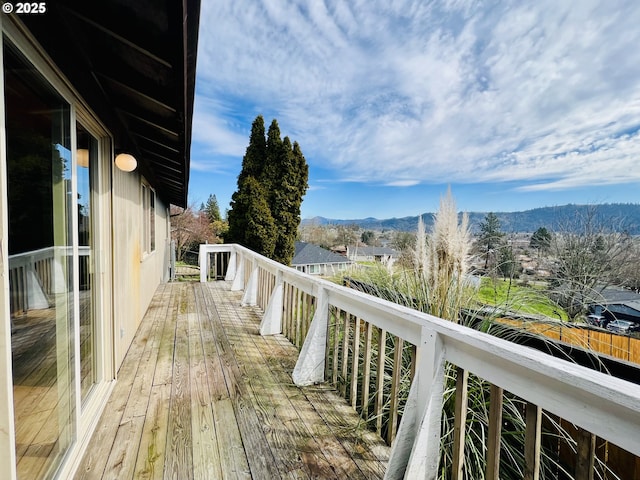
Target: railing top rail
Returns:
[18, 259]
[40, 253]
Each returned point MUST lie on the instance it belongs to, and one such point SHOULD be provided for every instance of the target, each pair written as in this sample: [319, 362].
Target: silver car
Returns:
[622, 326]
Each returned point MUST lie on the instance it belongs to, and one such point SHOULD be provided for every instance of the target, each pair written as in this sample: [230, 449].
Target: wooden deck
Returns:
[202, 395]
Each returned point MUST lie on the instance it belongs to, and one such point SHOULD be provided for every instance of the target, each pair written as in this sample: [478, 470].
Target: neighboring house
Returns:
[385, 255]
[618, 304]
[94, 147]
[315, 260]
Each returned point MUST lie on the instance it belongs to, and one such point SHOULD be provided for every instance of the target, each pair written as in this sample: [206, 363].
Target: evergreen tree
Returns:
[253, 161]
[281, 197]
[252, 166]
[507, 264]
[368, 237]
[541, 240]
[273, 162]
[290, 185]
[281, 172]
[257, 226]
[490, 237]
[212, 209]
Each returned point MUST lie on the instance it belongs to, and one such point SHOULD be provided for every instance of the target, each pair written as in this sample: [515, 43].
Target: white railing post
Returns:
[59, 269]
[250, 297]
[203, 262]
[309, 368]
[271, 323]
[36, 299]
[231, 268]
[238, 280]
[415, 453]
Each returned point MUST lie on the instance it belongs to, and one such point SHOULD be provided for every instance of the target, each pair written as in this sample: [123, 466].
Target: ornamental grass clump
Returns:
[442, 262]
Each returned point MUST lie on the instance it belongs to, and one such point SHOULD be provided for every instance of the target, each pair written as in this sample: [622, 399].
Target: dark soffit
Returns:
[134, 63]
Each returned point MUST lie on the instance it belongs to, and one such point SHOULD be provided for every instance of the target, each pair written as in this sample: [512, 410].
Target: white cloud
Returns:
[544, 92]
[217, 132]
[402, 183]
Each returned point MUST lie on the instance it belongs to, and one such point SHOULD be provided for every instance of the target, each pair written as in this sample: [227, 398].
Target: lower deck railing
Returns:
[36, 275]
[399, 368]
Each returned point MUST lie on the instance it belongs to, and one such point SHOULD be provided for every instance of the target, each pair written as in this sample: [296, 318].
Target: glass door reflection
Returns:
[40, 206]
[86, 154]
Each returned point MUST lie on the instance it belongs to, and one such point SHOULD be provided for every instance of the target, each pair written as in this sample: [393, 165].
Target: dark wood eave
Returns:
[134, 63]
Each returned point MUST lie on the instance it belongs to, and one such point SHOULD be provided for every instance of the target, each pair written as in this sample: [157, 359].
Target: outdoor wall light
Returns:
[83, 157]
[126, 162]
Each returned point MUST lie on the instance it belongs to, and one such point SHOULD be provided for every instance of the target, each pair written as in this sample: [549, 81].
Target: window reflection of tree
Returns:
[31, 176]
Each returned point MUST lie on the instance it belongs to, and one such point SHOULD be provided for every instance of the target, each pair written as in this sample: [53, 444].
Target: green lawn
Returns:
[517, 298]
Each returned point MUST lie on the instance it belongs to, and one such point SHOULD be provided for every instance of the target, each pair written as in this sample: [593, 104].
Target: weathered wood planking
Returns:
[122, 459]
[95, 459]
[231, 454]
[201, 394]
[179, 456]
[151, 453]
[282, 352]
[206, 460]
[294, 447]
[261, 460]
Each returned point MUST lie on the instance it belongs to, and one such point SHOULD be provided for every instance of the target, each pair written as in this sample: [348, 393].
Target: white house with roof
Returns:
[385, 255]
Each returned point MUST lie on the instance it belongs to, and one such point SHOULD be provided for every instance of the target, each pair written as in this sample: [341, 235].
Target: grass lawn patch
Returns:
[519, 299]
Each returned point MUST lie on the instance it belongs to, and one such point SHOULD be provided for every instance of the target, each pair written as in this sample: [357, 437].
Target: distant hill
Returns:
[619, 216]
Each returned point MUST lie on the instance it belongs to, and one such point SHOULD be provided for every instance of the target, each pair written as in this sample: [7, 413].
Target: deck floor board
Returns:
[202, 395]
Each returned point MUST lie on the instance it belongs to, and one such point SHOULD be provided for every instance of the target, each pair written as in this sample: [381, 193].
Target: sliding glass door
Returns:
[38, 143]
[52, 165]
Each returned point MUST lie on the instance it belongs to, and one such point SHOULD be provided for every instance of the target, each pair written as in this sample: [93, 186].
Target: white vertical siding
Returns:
[136, 273]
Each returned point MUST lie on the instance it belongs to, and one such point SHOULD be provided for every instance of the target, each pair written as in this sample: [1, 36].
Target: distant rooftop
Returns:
[372, 250]
[619, 295]
[310, 254]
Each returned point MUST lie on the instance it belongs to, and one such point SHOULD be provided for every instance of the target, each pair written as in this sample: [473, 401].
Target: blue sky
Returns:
[513, 104]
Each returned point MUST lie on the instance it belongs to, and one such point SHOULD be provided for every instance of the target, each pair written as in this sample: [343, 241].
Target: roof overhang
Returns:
[134, 63]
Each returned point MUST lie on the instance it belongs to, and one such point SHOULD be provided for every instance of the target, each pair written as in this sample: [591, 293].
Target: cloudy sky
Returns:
[514, 104]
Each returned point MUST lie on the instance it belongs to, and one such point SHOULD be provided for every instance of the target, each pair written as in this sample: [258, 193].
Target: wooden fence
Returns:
[624, 347]
[620, 462]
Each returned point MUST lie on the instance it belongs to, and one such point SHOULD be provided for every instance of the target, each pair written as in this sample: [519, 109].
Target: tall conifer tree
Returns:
[252, 166]
[212, 209]
[295, 175]
[253, 161]
[272, 170]
[259, 228]
[281, 174]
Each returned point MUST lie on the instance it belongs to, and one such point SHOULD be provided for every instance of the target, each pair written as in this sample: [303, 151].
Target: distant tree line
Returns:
[511, 222]
[585, 253]
[572, 259]
[265, 209]
[190, 227]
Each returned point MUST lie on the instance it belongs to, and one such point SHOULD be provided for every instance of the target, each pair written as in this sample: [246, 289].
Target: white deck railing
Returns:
[335, 328]
[36, 275]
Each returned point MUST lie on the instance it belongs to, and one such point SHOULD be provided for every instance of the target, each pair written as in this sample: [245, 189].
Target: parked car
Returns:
[622, 326]
[597, 320]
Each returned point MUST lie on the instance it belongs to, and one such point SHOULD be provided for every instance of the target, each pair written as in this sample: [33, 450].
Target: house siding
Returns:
[137, 273]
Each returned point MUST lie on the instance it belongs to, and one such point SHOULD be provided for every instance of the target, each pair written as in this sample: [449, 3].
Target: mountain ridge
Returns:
[617, 216]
